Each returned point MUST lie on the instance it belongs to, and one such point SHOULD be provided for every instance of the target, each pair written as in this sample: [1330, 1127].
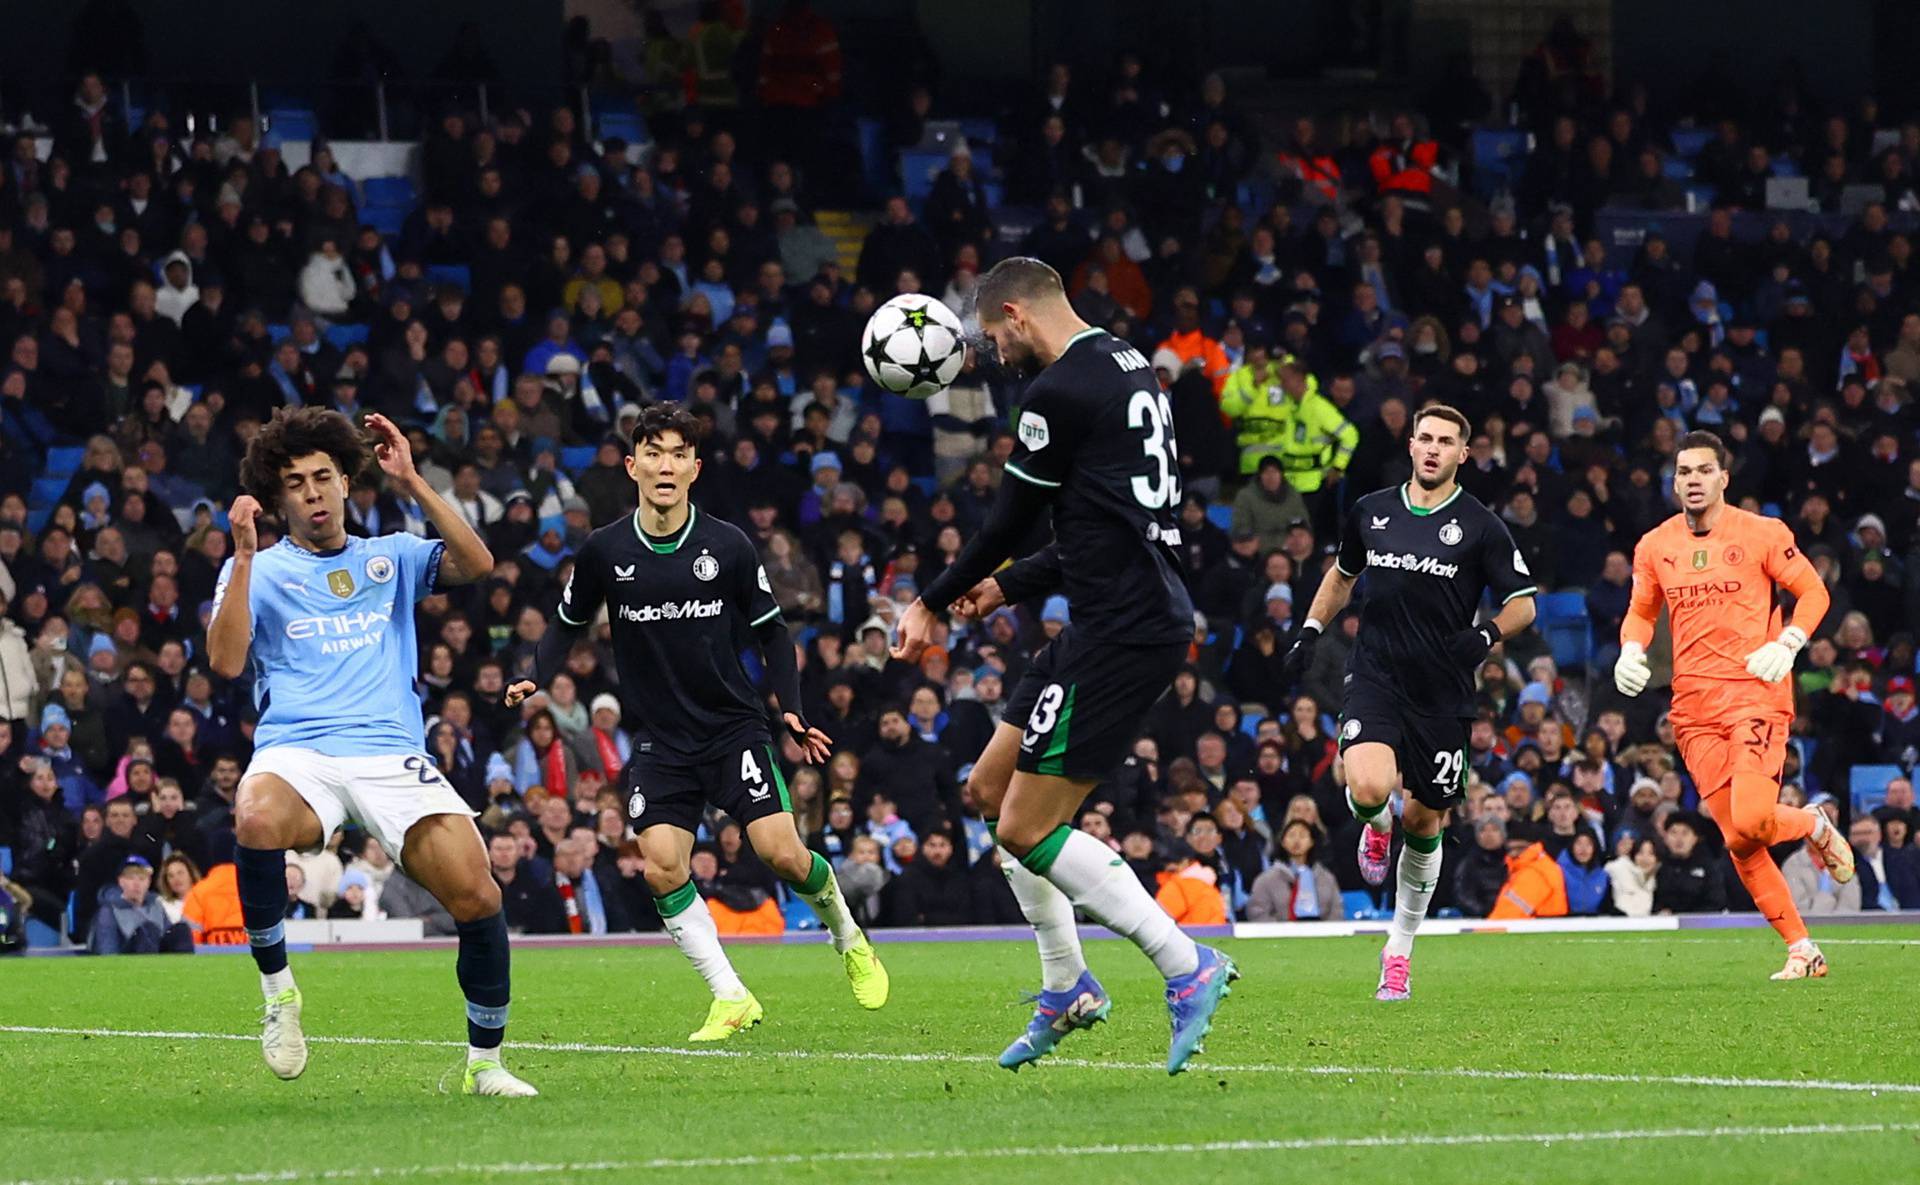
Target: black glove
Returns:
[1300, 654]
[1471, 646]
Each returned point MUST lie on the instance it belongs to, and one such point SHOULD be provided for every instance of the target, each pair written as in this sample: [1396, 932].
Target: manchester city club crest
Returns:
[341, 582]
[379, 569]
[705, 567]
[1451, 533]
[636, 805]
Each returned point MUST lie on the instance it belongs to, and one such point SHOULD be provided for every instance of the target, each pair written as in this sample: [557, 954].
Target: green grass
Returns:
[93, 1108]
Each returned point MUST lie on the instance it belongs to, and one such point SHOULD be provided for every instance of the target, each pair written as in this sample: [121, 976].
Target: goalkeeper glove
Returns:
[1774, 661]
[1631, 672]
[1300, 654]
[1471, 646]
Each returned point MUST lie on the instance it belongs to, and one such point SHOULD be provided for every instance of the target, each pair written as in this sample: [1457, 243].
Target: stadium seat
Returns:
[577, 457]
[1868, 784]
[1220, 515]
[1688, 142]
[293, 123]
[624, 125]
[980, 131]
[1495, 158]
[927, 486]
[443, 274]
[1677, 169]
[279, 332]
[37, 519]
[340, 337]
[1569, 632]
[386, 219]
[6, 861]
[39, 934]
[388, 191]
[46, 491]
[1702, 195]
[65, 461]
[799, 914]
[1250, 725]
[1358, 903]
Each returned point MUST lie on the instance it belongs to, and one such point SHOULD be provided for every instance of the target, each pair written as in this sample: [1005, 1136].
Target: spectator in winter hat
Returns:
[1054, 616]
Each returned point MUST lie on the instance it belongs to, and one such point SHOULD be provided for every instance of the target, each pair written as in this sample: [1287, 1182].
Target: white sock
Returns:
[1381, 821]
[477, 1054]
[1099, 882]
[1054, 929]
[831, 908]
[272, 985]
[1419, 873]
[699, 939]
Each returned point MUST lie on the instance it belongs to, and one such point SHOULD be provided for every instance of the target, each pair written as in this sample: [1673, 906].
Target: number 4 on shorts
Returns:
[749, 768]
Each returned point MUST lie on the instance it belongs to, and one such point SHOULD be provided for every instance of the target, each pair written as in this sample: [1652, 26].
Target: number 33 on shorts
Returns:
[1046, 714]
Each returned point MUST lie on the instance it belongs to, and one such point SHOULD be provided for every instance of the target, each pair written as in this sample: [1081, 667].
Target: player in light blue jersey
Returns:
[326, 621]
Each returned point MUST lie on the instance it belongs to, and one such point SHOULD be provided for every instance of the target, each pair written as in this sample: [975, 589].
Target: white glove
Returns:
[1630, 671]
[1774, 661]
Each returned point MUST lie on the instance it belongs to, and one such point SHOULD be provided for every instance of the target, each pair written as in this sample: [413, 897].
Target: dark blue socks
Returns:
[483, 968]
[262, 873]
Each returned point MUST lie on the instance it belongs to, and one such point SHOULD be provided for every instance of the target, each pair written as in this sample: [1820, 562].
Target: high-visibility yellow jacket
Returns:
[1308, 434]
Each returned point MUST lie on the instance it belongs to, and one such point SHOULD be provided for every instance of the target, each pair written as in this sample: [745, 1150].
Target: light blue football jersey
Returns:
[334, 656]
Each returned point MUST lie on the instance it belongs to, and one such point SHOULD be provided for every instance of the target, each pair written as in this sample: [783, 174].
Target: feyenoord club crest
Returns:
[1349, 730]
[636, 805]
[341, 582]
[705, 567]
[1451, 533]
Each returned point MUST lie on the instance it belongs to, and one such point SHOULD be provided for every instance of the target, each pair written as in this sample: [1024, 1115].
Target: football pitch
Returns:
[1553, 1058]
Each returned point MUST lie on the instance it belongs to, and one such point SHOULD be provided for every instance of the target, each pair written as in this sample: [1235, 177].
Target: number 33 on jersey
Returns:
[1098, 415]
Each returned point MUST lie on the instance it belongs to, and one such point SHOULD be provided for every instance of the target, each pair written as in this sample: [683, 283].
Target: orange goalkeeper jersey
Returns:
[1720, 593]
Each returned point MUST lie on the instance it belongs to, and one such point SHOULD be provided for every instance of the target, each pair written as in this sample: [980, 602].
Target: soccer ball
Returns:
[912, 346]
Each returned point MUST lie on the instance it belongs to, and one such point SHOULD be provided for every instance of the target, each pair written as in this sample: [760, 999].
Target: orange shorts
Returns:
[1714, 753]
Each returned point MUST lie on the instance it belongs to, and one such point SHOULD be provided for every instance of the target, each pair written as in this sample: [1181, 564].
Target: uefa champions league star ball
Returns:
[913, 346]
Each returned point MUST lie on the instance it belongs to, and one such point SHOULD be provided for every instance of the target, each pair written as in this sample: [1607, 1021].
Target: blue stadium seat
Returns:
[341, 337]
[625, 125]
[917, 171]
[1702, 195]
[875, 169]
[1220, 515]
[1677, 169]
[1357, 902]
[293, 123]
[927, 486]
[1869, 785]
[65, 461]
[39, 934]
[980, 131]
[46, 491]
[1786, 166]
[1809, 781]
[279, 332]
[386, 219]
[1251, 725]
[1689, 141]
[458, 275]
[37, 519]
[6, 861]
[577, 457]
[1569, 632]
[799, 914]
[388, 191]
[1496, 158]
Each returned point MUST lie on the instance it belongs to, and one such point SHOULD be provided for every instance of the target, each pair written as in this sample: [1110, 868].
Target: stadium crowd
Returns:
[163, 292]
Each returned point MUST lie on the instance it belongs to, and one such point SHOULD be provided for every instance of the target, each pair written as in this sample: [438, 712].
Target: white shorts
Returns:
[387, 793]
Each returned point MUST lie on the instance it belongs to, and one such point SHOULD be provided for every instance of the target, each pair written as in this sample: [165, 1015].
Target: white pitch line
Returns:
[947, 1058]
[890, 1156]
[1667, 940]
